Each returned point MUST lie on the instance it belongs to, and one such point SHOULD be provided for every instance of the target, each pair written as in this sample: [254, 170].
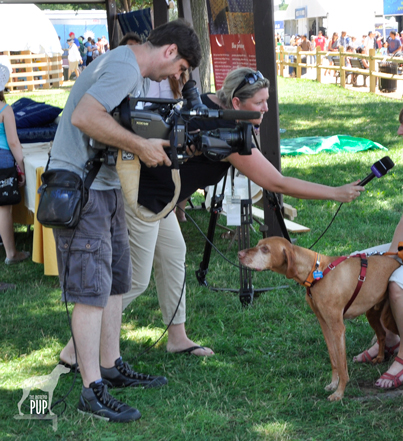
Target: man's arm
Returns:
[91, 117]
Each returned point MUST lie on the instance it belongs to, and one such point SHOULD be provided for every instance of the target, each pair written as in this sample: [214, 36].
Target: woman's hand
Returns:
[348, 192]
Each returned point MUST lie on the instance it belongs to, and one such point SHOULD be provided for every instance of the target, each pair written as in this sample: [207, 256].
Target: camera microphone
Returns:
[239, 114]
[223, 114]
[379, 169]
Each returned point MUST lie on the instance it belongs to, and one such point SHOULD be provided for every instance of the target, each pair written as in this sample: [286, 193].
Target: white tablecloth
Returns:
[35, 155]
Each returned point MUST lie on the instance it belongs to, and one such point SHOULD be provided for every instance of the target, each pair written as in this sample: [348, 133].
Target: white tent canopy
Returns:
[25, 27]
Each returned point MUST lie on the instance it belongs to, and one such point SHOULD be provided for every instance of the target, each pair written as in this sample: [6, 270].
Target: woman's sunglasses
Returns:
[250, 78]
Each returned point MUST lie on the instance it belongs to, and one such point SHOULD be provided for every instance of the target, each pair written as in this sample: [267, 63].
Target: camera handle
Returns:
[128, 167]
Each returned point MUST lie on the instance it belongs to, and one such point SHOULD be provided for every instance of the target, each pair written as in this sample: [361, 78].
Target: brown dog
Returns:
[330, 295]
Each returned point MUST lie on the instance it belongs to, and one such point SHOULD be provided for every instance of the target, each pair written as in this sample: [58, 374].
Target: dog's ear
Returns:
[289, 256]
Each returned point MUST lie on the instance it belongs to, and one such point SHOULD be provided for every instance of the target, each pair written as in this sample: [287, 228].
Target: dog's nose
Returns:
[241, 254]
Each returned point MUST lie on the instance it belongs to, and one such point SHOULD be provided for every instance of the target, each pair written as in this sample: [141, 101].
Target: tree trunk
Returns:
[200, 25]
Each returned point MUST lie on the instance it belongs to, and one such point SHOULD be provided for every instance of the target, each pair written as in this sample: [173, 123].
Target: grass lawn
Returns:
[267, 379]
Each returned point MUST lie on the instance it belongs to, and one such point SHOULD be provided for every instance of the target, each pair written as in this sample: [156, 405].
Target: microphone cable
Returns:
[324, 232]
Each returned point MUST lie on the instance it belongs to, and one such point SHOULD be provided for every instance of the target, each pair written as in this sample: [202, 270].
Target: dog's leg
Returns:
[50, 400]
[374, 319]
[329, 343]
[337, 332]
[25, 393]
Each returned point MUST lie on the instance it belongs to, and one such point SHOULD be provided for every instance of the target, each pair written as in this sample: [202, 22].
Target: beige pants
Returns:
[160, 243]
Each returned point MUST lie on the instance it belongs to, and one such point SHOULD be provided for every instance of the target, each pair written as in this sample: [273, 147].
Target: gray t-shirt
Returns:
[109, 79]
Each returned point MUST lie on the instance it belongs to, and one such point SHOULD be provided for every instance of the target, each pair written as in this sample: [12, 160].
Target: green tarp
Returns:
[333, 144]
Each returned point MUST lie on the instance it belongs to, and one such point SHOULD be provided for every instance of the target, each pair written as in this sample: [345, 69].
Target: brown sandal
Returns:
[397, 382]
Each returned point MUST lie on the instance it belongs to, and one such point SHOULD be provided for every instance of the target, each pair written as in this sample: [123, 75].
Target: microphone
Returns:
[239, 114]
[205, 112]
[379, 169]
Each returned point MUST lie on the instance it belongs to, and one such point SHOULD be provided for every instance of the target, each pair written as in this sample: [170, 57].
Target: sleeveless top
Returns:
[3, 138]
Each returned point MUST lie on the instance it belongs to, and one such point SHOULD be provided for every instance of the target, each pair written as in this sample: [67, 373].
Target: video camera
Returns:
[169, 119]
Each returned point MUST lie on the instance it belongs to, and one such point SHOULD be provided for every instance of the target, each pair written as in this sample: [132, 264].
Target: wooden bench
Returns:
[356, 63]
[336, 62]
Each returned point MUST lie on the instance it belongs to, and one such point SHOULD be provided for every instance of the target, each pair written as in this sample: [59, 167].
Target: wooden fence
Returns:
[32, 71]
[318, 57]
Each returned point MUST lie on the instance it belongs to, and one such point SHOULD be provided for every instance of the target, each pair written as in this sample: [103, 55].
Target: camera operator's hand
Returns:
[153, 153]
[192, 151]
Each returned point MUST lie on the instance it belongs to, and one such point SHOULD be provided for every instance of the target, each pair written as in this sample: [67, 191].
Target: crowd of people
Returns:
[390, 45]
[81, 52]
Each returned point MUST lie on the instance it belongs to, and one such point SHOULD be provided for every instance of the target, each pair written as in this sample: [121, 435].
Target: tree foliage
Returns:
[121, 6]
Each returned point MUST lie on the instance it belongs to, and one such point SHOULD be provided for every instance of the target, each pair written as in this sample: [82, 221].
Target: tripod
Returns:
[246, 291]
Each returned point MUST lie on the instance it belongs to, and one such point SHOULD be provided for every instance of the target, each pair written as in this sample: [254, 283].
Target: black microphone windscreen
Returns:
[240, 114]
[381, 167]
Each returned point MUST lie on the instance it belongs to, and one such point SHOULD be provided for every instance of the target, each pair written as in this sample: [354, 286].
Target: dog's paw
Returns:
[332, 386]
[337, 396]
[378, 359]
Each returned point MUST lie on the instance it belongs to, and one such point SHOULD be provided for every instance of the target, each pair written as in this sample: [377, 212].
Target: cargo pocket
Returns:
[83, 264]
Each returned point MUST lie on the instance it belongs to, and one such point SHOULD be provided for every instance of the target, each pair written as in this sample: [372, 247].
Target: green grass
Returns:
[267, 380]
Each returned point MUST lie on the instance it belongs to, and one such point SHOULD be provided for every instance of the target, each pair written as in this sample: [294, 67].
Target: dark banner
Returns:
[232, 37]
[136, 21]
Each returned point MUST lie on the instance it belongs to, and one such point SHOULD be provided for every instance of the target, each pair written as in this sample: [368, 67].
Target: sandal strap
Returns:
[399, 360]
[395, 379]
[391, 349]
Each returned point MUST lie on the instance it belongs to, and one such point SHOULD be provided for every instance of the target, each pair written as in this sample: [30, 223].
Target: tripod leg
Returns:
[245, 274]
[215, 210]
[201, 273]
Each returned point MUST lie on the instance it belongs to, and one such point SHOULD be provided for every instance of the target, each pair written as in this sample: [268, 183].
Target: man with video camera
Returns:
[94, 258]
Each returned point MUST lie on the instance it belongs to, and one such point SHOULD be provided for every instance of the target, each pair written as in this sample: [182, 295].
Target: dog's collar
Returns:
[314, 274]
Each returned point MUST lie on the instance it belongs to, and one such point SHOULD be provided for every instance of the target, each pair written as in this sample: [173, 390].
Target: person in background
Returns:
[394, 44]
[369, 42]
[130, 38]
[75, 40]
[363, 61]
[320, 41]
[74, 58]
[88, 45]
[333, 46]
[384, 49]
[350, 50]
[83, 53]
[100, 46]
[344, 40]
[353, 42]
[304, 44]
[94, 48]
[312, 58]
[105, 43]
[10, 154]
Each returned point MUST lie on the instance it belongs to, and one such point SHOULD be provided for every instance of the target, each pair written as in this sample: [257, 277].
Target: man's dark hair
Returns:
[180, 33]
[130, 36]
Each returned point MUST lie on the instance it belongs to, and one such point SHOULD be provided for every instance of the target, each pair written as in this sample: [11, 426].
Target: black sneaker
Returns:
[97, 401]
[122, 375]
